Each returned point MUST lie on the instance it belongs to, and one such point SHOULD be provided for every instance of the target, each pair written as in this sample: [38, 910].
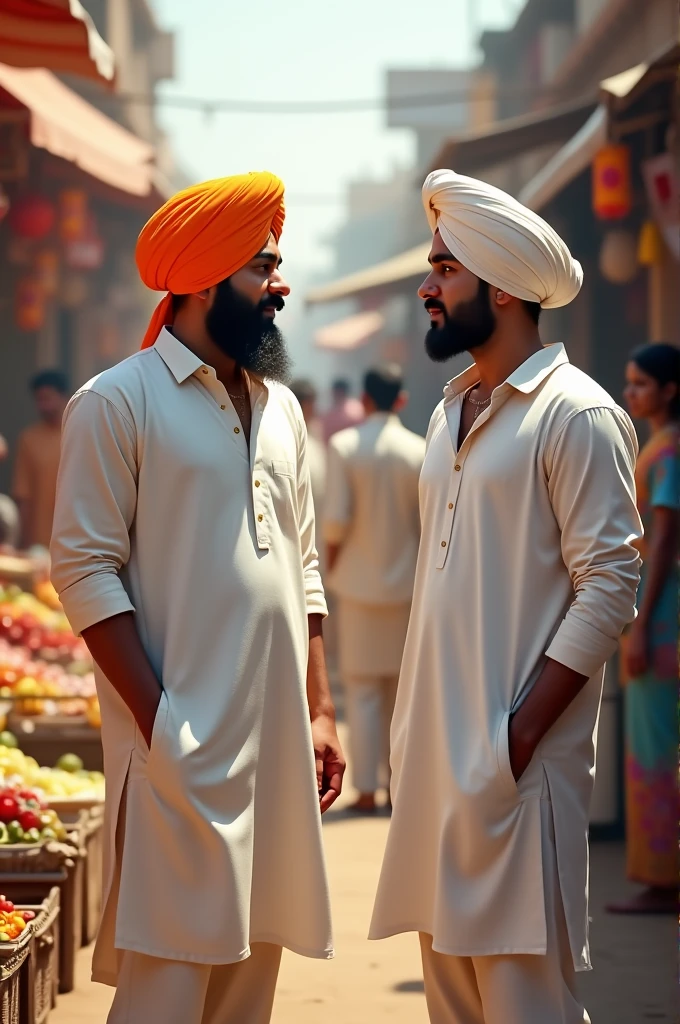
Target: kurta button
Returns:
[443, 543]
[236, 430]
[205, 371]
[260, 518]
[257, 483]
[457, 469]
[223, 407]
[450, 504]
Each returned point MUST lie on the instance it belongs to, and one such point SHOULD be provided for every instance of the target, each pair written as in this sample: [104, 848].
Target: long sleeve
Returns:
[338, 506]
[592, 490]
[95, 508]
[314, 592]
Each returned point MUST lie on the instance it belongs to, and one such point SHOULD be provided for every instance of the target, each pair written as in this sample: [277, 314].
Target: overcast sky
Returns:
[270, 50]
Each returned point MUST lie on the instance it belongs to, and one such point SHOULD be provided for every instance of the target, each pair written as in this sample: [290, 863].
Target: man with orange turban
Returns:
[183, 550]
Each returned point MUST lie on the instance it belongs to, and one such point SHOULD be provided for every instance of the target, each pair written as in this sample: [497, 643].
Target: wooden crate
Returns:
[13, 957]
[30, 875]
[85, 830]
[41, 971]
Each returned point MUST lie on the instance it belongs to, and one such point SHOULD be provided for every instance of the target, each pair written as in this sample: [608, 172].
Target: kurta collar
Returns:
[382, 417]
[180, 360]
[525, 378]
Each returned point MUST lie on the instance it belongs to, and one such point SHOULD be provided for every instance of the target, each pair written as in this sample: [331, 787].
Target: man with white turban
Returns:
[526, 576]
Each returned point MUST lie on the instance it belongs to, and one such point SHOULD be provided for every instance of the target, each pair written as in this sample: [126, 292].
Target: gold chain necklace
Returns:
[478, 406]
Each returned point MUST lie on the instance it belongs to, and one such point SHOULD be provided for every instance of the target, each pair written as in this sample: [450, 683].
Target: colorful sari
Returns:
[651, 700]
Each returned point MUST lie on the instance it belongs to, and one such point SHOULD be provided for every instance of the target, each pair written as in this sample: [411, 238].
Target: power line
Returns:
[209, 106]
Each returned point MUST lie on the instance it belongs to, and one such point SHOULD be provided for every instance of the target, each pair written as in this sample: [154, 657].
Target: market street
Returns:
[634, 979]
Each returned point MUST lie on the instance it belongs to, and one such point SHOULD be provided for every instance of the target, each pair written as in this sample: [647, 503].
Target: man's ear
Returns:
[500, 297]
[401, 402]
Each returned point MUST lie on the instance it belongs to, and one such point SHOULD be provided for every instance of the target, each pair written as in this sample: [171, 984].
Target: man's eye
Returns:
[448, 270]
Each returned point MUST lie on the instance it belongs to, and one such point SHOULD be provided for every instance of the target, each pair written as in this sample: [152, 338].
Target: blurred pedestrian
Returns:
[650, 647]
[372, 529]
[10, 525]
[37, 460]
[345, 411]
[306, 394]
[184, 553]
[527, 573]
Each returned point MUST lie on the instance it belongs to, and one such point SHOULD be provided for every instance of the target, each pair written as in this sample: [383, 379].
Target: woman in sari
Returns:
[650, 648]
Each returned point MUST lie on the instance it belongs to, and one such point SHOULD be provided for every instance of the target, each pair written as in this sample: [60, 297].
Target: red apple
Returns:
[29, 819]
[9, 808]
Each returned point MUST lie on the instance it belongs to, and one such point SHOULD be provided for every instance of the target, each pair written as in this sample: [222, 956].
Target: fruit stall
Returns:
[51, 797]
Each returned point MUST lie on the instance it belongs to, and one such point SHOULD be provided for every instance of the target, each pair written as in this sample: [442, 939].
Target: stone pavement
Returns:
[634, 980]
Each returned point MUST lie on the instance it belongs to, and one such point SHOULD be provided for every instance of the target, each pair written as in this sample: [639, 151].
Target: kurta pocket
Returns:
[159, 723]
[503, 756]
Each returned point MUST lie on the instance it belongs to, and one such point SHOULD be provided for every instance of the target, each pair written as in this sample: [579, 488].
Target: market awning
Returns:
[570, 161]
[352, 332]
[69, 127]
[616, 95]
[513, 137]
[55, 34]
[410, 264]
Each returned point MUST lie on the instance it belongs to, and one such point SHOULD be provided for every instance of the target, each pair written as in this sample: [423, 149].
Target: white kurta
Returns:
[527, 551]
[161, 509]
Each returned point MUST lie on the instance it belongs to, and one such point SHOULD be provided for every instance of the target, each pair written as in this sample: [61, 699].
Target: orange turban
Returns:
[204, 234]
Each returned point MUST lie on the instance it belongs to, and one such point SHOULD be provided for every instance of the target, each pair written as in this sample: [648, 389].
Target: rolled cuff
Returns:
[334, 532]
[315, 598]
[581, 647]
[94, 599]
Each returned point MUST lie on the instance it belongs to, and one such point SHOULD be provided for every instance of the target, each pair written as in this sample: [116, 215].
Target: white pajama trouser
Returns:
[155, 991]
[371, 643]
[512, 989]
[369, 708]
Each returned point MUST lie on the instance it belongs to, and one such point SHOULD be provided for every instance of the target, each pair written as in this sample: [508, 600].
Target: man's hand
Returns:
[637, 650]
[329, 760]
[521, 751]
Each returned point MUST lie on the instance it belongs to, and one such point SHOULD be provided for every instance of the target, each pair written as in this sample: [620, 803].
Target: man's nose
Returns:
[429, 289]
[278, 284]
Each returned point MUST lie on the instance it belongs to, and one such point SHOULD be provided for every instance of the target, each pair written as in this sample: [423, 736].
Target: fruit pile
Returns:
[12, 921]
[42, 688]
[26, 621]
[68, 780]
[26, 818]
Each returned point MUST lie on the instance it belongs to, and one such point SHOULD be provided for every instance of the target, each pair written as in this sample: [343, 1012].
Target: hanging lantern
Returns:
[73, 214]
[618, 257]
[612, 186]
[46, 266]
[29, 304]
[650, 245]
[32, 217]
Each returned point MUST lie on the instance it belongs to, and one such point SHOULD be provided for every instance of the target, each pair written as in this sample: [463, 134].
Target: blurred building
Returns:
[82, 166]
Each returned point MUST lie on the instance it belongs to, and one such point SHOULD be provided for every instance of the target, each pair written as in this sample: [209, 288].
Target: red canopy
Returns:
[55, 34]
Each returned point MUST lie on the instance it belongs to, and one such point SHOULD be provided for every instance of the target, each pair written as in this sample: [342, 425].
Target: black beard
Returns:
[469, 327]
[246, 335]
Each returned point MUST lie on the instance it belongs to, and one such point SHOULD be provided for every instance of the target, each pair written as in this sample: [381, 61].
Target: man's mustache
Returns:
[435, 304]
[272, 302]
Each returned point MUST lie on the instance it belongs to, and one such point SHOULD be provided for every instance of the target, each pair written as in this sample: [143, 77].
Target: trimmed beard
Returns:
[467, 327]
[246, 335]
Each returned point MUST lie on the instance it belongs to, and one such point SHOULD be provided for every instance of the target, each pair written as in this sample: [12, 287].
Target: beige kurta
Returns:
[527, 550]
[162, 509]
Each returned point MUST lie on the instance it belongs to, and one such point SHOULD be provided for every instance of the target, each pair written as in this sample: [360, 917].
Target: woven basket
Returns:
[39, 996]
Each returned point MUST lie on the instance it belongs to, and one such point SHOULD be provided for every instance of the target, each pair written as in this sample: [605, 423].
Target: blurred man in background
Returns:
[37, 461]
[307, 395]
[372, 529]
[345, 411]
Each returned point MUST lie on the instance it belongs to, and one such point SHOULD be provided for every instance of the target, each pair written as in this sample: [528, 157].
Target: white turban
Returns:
[501, 241]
